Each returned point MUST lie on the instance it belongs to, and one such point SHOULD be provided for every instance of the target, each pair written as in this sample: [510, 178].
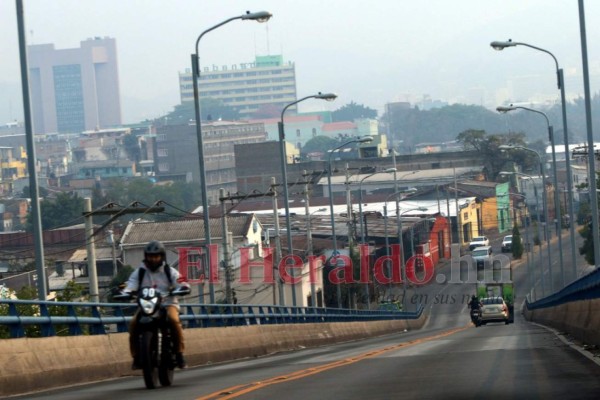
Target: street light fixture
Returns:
[283, 160]
[554, 181]
[261, 16]
[544, 200]
[498, 45]
[365, 139]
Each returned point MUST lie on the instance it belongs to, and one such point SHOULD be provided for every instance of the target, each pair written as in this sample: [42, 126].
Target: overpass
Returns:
[220, 333]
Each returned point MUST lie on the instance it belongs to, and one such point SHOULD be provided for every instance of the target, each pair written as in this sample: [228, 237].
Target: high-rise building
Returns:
[73, 90]
[248, 87]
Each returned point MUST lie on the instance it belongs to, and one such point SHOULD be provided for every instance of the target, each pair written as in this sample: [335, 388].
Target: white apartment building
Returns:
[248, 87]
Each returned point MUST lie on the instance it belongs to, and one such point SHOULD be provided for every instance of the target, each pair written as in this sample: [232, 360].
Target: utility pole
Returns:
[222, 199]
[277, 258]
[91, 252]
[313, 289]
[458, 219]
[111, 240]
[226, 263]
[108, 209]
[350, 222]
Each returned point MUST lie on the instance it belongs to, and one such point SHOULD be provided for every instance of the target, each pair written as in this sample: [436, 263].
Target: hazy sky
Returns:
[368, 52]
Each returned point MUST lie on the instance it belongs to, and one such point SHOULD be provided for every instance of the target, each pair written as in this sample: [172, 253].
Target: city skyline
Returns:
[390, 51]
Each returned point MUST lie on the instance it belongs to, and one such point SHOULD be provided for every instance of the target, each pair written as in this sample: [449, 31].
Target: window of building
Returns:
[163, 167]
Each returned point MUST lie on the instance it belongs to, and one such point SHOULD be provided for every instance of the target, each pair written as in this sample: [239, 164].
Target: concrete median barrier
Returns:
[30, 365]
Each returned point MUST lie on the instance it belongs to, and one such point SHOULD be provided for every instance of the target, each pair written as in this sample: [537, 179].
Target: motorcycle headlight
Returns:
[149, 306]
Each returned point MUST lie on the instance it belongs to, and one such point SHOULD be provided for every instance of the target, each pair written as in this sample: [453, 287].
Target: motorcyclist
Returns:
[474, 303]
[155, 264]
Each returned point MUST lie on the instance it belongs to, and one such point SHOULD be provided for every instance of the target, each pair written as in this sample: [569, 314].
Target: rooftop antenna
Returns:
[268, 45]
[255, 46]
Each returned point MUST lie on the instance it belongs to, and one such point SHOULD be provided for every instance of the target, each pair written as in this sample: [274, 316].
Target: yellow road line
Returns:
[238, 390]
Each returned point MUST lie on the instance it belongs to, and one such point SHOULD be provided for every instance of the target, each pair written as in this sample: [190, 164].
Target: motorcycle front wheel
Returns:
[167, 364]
[147, 354]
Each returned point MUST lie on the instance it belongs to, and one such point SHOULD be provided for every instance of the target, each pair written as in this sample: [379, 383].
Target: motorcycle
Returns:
[476, 317]
[156, 350]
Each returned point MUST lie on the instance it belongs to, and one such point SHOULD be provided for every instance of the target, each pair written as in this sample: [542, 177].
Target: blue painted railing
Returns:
[585, 288]
[102, 318]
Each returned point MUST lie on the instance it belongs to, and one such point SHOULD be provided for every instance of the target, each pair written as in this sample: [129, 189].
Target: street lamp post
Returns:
[590, 136]
[544, 201]
[498, 45]
[261, 16]
[283, 160]
[555, 182]
[365, 139]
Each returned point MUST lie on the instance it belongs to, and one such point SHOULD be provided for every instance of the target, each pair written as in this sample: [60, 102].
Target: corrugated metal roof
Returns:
[102, 253]
[418, 177]
[142, 232]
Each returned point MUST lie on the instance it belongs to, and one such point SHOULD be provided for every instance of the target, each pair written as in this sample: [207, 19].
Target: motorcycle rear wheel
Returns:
[147, 354]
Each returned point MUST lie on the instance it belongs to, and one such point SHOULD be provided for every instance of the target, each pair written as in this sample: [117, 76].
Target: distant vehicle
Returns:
[507, 244]
[481, 255]
[494, 309]
[478, 241]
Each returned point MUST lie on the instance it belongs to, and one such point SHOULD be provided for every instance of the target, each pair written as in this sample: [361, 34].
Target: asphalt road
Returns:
[447, 359]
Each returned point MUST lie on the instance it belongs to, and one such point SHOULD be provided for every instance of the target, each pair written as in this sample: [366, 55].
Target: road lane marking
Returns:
[238, 390]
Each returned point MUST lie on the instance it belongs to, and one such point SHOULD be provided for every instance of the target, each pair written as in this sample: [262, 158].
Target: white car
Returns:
[479, 241]
[507, 244]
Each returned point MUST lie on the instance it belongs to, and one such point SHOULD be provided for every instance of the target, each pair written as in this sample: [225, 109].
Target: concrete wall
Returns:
[28, 365]
[578, 318]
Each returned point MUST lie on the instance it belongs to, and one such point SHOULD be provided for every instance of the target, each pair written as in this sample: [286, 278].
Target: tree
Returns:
[42, 191]
[489, 148]
[211, 110]
[267, 111]
[352, 111]
[66, 209]
[319, 144]
[517, 243]
[177, 194]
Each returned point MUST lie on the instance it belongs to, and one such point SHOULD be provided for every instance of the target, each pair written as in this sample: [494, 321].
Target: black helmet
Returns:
[154, 248]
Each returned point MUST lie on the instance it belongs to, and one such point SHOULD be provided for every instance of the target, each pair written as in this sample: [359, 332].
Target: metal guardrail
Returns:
[585, 288]
[102, 318]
